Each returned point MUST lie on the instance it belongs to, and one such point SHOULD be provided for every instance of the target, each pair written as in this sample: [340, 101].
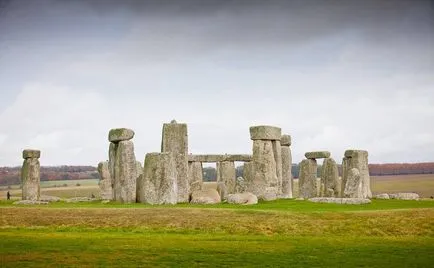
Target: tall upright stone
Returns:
[195, 176]
[158, 184]
[307, 178]
[264, 179]
[30, 175]
[226, 175]
[286, 166]
[105, 182]
[359, 159]
[122, 165]
[330, 178]
[175, 141]
[277, 151]
[353, 187]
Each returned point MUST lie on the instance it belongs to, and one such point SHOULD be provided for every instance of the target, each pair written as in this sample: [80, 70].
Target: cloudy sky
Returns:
[332, 74]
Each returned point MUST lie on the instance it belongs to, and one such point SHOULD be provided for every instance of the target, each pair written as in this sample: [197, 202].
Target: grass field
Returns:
[283, 233]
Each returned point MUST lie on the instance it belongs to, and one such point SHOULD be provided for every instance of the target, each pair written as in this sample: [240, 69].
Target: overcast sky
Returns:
[332, 74]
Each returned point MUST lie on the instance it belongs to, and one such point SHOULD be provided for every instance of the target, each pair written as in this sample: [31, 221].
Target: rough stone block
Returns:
[158, 185]
[206, 196]
[226, 174]
[285, 140]
[120, 134]
[175, 138]
[30, 179]
[330, 177]
[355, 153]
[307, 179]
[265, 133]
[407, 196]
[195, 176]
[353, 187]
[125, 178]
[242, 198]
[29, 153]
[382, 196]
[317, 155]
[105, 183]
[286, 172]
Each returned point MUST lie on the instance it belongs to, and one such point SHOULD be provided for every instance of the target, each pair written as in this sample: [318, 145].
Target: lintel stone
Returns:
[29, 153]
[265, 133]
[316, 155]
[353, 153]
[285, 140]
[209, 158]
[120, 134]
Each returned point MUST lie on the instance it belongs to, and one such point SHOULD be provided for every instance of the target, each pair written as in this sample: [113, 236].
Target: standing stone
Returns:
[344, 175]
[30, 175]
[295, 188]
[330, 177]
[105, 182]
[277, 151]
[240, 185]
[226, 175]
[247, 172]
[125, 165]
[263, 169]
[353, 187]
[139, 175]
[286, 166]
[158, 184]
[175, 140]
[195, 176]
[111, 163]
[359, 159]
[307, 178]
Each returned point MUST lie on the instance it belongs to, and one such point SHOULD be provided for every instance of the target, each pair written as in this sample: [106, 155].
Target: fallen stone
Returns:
[316, 155]
[382, 196]
[407, 196]
[120, 134]
[29, 153]
[335, 200]
[242, 198]
[205, 196]
[30, 202]
[48, 198]
[285, 140]
[265, 133]
[158, 184]
[80, 199]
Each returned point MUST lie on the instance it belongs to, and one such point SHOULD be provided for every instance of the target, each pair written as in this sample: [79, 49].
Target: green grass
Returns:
[283, 233]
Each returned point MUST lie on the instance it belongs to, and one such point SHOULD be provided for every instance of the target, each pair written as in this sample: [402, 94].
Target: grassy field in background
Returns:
[282, 233]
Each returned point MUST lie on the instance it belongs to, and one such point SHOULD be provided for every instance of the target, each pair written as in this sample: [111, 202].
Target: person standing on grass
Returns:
[8, 195]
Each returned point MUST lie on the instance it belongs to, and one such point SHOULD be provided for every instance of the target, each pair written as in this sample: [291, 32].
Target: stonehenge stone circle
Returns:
[105, 183]
[120, 134]
[286, 166]
[330, 178]
[175, 141]
[357, 159]
[317, 155]
[30, 175]
[158, 183]
[307, 179]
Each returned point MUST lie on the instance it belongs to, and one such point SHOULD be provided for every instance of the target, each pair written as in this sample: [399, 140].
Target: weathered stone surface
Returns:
[105, 182]
[182, 178]
[206, 196]
[263, 173]
[120, 134]
[248, 173]
[285, 140]
[319, 187]
[382, 196]
[139, 180]
[346, 201]
[30, 179]
[307, 178]
[265, 133]
[112, 158]
[277, 151]
[31, 202]
[242, 198]
[240, 185]
[49, 198]
[344, 175]
[195, 176]
[29, 153]
[407, 196]
[295, 188]
[222, 189]
[226, 174]
[211, 158]
[353, 187]
[175, 138]
[317, 155]
[158, 184]
[330, 177]
[270, 194]
[80, 199]
[359, 159]
[125, 178]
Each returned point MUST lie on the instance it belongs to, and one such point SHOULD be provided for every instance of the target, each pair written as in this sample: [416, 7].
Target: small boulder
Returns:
[382, 196]
[242, 198]
[407, 196]
[206, 196]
